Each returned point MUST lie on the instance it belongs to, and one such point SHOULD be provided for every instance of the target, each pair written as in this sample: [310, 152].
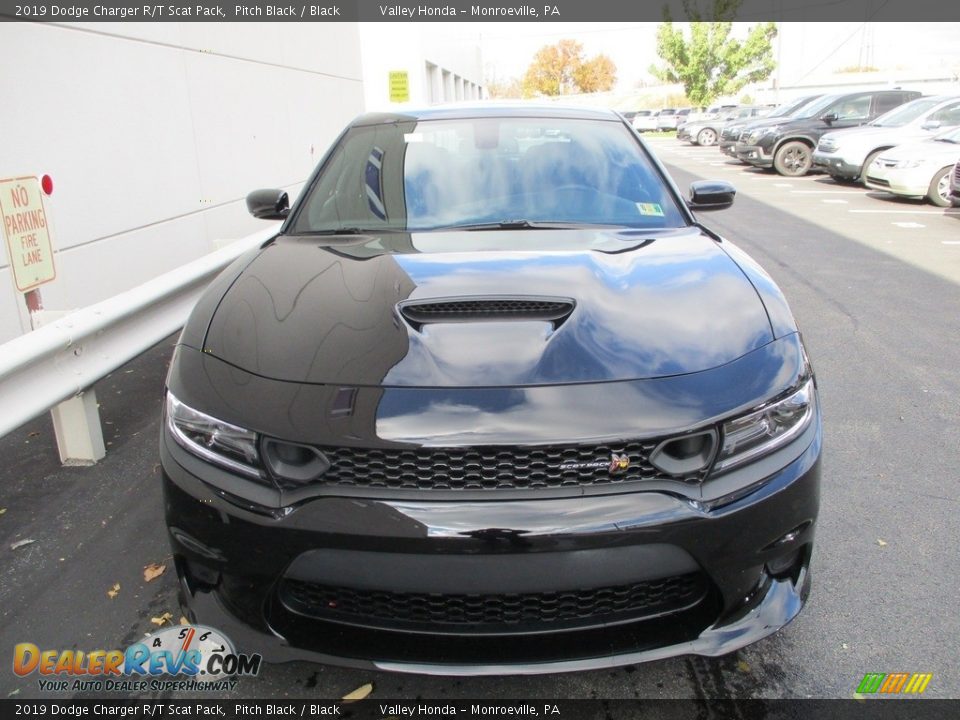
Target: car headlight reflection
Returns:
[216, 441]
[767, 429]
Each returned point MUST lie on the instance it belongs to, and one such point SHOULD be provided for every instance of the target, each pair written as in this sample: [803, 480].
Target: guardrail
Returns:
[54, 366]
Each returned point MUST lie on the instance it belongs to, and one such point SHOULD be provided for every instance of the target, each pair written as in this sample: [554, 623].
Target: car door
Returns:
[850, 111]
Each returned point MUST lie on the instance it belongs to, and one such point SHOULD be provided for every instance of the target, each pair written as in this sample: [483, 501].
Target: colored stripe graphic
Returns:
[918, 683]
[894, 683]
[871, 682]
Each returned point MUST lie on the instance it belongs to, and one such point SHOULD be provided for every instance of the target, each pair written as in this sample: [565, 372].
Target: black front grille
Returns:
[730, 133]
[956, 174]
[878, 181]
[487, 308]
[490, 468]
[488, 613]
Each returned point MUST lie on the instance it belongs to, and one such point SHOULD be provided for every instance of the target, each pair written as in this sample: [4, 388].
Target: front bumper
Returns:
[836, 165]
[906, 182]
[728, 147]
[754, 154]
[753, 554]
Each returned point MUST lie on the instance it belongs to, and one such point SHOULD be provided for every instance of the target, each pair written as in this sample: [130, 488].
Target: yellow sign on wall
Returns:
[399, 86]
[26, 230]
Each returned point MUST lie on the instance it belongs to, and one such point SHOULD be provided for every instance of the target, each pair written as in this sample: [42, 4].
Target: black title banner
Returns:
[477, 11]
[157, 709]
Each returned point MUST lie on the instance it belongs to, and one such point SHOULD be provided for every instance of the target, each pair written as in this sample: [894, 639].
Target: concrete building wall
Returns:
[442, 60]
[154, 134]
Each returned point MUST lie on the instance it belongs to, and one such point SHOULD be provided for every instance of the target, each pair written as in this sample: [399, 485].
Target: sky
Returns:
[808, 50]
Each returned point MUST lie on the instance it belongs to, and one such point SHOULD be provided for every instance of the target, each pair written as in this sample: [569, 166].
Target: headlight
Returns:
[767, 429]
[907, 164]
[213, 440]
[828, 145]
[275, 463]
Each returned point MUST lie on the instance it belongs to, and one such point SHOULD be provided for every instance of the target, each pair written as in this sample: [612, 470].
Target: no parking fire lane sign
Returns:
[27, 233]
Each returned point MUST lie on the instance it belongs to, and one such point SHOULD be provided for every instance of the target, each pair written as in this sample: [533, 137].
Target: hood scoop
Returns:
[487, 308]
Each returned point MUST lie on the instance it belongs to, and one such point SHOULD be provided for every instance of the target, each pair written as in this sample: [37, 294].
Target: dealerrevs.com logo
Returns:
[187, 657]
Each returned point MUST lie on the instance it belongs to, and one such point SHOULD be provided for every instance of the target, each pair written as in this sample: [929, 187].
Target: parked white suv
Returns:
[846, 154]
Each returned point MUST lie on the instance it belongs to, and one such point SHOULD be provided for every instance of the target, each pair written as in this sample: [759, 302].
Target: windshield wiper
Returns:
[519, 224]
[343, 231]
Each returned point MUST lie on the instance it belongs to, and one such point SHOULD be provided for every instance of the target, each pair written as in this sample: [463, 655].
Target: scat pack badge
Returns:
[616, 465]
[184, 657]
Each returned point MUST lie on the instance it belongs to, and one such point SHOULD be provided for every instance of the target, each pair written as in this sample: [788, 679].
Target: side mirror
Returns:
[711, 195]
[931, 125]
[830, 117]
[270, 204]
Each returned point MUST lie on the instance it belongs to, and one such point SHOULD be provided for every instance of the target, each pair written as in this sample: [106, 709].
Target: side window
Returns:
[947, 116]
[853, 108]
[888, 102]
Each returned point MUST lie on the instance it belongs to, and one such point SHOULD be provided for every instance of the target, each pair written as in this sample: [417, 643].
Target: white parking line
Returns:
[907, 212]
[950, 242]
[834, 201]
[826, 192]
[909, 225]
[783, 185]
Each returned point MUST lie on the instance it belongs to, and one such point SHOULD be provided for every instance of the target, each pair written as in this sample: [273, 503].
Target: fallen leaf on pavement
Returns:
[743, 666]
[2, 511]
[21, 543]
[359, 694]
[165, 618]
[114, 591]
[881, 543]
[153, 571]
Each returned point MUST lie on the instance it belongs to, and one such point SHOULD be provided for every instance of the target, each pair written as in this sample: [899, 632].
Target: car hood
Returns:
[872, 135]
[927, 150]
[749, 125]
[337, 310]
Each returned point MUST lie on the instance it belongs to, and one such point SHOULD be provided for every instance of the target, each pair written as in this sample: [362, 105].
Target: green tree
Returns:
[711, 63]
[562, 69]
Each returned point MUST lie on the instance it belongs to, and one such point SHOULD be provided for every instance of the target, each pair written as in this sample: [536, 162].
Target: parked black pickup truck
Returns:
[788, 146]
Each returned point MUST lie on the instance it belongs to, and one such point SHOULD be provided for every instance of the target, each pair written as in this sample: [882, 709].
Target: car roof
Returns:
[461, 111]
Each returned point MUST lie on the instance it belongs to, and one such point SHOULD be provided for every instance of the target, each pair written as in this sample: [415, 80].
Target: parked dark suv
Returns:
[788, 146]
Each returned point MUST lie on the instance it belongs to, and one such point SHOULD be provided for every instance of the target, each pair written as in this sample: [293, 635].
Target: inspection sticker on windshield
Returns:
[650, 209]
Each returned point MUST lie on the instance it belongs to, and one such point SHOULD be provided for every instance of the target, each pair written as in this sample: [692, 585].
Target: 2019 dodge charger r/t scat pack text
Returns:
[492, 401]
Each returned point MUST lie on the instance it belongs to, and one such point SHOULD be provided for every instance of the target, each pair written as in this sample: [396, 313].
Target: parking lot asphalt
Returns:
[878, 305]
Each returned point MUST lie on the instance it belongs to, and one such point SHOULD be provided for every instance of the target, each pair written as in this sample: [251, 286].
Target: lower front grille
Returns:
[878, 181]
[508, 612]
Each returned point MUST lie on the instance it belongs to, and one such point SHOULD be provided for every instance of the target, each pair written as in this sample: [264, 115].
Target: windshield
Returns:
[790, 108]
[815, 108]
[898, 117]
[519, 172]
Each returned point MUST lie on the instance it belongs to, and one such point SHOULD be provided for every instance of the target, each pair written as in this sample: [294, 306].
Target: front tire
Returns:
[707, 137]
[939, 191]
[793, 159]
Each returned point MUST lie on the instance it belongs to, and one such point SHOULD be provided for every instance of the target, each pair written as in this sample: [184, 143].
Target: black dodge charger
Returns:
[492, 401]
